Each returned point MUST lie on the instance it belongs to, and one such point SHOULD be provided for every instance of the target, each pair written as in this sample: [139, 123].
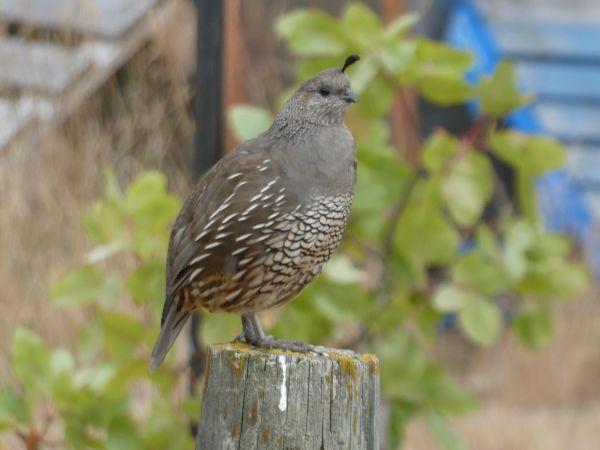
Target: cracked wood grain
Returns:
[259, 399]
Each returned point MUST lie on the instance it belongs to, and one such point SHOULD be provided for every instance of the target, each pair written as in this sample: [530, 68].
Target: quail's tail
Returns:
[171, 327]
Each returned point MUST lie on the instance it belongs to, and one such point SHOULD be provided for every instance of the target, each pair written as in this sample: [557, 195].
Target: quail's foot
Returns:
[269, 342]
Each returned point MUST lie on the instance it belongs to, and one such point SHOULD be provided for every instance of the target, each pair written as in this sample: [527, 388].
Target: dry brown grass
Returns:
[545, 399]
[140, 119]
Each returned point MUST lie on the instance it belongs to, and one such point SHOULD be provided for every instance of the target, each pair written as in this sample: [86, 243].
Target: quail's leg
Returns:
[248, 332]
[258, 338]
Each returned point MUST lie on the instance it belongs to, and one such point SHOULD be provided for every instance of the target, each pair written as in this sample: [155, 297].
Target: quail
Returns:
[261, 224]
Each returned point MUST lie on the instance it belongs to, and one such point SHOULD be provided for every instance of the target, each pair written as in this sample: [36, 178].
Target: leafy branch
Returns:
[419, 247]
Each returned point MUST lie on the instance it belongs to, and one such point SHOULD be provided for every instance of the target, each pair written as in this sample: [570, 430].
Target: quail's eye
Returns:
[324, 92]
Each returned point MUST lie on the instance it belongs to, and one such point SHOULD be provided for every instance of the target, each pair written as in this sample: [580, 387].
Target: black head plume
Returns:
[349, 61]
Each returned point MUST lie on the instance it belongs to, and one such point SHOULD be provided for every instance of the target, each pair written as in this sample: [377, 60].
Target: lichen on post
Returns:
[261, 399]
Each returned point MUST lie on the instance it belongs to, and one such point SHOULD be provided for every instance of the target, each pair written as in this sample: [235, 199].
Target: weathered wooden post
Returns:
[259, 399]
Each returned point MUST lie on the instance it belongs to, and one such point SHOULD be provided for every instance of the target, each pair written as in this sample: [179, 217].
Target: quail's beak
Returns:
[350, 97]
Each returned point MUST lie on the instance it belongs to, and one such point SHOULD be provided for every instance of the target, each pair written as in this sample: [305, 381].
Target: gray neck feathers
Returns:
[296, 121]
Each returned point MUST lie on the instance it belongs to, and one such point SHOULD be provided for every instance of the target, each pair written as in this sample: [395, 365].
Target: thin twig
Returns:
[382, 292]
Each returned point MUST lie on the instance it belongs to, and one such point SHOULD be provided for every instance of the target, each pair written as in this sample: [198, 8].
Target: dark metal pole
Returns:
[209, 130]
[209, 88]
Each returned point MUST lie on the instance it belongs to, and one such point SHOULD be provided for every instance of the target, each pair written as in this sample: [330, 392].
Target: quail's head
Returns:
[324, 98]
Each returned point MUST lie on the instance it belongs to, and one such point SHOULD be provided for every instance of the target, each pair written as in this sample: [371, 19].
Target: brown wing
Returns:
[224, 222]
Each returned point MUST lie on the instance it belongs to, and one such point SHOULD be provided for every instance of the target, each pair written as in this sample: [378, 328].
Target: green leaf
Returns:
[439, 71]
[451, 298]
[122, 327]
[481, 273]
[534, 155]
[103, 252]
[147, 185]
[341, 270]
[78, 288]
[445, 89]
[377, 97]
[571, 280]
[151, 207]
[370, 199]
[31, 361]
[85, 286]
[361, 25]
[13, 409]
[499, 93]
[76, 433]
[62, 361]
[89, 343]
[311, 33]
[437, 58]
[122, 334]
[105, 223]
[363, 74]
[533, 324]
[95, 378]
[527, 195]
[519, 239]
[112, 190]
[442, 431]
[249, 121]
[425, 236]
[481, 320]
[554, 279]
[408, 376]
[401, 25]
[123, 434]
[548, 246]
[166, 427]
[147, 283]
[487, 241]
[377, 162]
[396, 56]
[468, 187]
[438, 151]
[111, 289]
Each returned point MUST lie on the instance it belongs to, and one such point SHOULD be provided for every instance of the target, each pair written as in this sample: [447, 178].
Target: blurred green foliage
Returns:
[417, 248]
[100, 392]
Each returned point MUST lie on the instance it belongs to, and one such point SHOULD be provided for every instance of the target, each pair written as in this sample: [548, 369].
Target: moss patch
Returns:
[347, 366]
[348, 371]
[371, 361]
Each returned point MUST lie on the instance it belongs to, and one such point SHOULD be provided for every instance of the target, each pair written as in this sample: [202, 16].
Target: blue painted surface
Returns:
[570, 122]
[548, 40]
[560, 80]
[560, 63]
[583, 166]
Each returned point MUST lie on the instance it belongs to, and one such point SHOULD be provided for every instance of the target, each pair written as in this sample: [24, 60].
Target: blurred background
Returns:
[469, 265]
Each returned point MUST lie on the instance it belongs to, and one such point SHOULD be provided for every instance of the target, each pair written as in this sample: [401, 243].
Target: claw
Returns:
[254, 335]
[271, 343]
[240, 338]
